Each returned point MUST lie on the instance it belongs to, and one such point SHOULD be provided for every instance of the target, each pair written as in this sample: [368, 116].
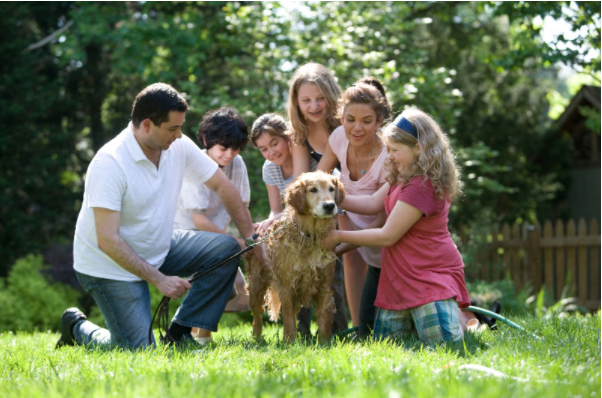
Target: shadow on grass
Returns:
[471, 345]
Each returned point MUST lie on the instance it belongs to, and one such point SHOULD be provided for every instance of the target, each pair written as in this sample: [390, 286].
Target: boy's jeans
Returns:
[125, 306]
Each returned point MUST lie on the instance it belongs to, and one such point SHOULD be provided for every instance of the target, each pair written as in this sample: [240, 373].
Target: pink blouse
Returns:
[366, 185]
[424, 265]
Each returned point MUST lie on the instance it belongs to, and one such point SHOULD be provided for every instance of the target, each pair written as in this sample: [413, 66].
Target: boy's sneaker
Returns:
[497, 308]
[70, 318]
[203, 340]
[186, 341]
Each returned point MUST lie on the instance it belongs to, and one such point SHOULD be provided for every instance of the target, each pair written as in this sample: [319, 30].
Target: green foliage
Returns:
[574, 49]
[40, 180]
[542, 305]
[592, 118]
[29, 301]
[565, 363]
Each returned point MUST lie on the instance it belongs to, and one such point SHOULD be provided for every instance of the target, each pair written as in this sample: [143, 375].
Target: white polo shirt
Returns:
[121, 178]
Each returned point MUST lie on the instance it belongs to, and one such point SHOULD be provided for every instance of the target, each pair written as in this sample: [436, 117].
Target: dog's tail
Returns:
[274, 304]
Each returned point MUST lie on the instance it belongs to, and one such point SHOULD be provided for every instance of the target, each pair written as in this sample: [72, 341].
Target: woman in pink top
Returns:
[422, 280]
[360, 151]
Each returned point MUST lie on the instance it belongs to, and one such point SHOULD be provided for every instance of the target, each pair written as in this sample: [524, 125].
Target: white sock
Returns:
[203, 340]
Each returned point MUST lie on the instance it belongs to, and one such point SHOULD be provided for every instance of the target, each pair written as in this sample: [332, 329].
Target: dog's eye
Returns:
[314, 190]
[331, 189]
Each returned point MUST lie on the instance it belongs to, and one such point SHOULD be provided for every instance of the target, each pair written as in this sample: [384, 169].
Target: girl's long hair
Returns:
[435, 159]
[323, 78]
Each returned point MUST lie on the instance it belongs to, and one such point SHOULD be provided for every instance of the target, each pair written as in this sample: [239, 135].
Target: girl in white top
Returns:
[271, 136]
[356, 145]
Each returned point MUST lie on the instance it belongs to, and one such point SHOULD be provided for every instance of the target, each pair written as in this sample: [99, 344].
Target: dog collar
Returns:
[306, 236]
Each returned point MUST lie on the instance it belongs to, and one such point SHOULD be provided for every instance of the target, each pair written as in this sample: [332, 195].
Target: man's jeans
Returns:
[125, 306]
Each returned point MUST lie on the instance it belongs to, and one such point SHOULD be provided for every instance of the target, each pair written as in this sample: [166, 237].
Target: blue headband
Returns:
[406, 126]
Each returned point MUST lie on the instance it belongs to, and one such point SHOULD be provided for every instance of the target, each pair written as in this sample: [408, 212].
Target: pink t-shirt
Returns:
[424, 265]
[366, 185]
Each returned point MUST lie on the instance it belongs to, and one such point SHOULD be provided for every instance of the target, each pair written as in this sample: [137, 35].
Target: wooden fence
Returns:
[543, 257]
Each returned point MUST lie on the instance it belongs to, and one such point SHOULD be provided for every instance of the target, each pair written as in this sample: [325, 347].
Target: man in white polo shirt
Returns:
[124, 237]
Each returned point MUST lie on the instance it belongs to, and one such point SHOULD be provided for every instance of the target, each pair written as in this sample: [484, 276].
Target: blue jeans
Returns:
[367, 308]
[125, 306]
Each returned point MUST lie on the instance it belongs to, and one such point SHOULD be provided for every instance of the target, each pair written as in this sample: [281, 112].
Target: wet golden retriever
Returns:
[302, 269]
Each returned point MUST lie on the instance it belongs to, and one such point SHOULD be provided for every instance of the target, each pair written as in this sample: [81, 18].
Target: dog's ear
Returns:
[295, 196]
[339, 193]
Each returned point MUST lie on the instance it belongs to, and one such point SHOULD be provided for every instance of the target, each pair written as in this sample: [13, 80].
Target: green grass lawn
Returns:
[566, 363]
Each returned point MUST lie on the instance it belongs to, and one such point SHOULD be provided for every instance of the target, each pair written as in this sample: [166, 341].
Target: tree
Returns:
[39, 181]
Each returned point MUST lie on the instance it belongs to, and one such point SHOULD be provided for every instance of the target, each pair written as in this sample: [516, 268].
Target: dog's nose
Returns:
[329, 206]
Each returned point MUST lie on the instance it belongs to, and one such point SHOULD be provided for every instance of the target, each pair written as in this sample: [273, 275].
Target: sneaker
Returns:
[70, 318]
[203, 340]
[485, 320]
[496, 307]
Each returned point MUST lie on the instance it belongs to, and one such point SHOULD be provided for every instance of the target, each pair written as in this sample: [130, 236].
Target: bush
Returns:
[29, 300]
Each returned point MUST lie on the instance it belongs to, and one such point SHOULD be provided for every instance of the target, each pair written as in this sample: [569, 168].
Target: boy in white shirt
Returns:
[224, 133]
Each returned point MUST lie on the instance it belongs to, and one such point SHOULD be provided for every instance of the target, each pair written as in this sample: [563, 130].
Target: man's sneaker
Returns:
[70, 318]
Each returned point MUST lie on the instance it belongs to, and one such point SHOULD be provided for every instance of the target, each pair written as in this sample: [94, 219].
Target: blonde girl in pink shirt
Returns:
[422, 280]
[356, 145]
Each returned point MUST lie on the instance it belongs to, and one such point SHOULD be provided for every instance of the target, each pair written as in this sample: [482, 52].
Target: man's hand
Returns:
[230, 198]
[107, 230]
[173, 287]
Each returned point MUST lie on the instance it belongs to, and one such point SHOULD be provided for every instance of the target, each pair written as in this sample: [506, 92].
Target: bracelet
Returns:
[251, 240]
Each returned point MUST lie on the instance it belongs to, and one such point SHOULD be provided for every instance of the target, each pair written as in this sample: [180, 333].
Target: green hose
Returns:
[347, 331]
[491, 314]
[471, 308]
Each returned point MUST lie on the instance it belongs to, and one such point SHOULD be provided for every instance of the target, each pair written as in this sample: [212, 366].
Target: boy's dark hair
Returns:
[155, 102]
[225, 127]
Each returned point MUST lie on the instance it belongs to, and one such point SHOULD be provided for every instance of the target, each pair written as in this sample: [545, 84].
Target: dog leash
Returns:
[162, 310]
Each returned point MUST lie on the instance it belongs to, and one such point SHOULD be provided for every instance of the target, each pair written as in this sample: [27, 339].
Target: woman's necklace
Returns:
[365, 163]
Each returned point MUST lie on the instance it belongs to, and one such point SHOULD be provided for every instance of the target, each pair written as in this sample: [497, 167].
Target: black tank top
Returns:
[313, 153]
[318, 156]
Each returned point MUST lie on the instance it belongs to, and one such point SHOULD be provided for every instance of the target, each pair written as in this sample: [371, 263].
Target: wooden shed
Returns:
[584, 198]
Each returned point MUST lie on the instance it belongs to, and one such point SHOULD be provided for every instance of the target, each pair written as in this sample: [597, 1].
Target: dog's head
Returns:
[317, 194]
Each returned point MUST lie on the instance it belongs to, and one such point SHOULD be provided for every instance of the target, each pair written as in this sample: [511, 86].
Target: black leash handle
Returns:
[162, 310]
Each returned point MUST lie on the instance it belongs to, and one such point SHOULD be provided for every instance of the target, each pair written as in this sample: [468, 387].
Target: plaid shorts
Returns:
[435, 322]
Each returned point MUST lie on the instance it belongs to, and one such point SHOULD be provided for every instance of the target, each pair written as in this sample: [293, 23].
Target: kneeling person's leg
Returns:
[391, 323]
[195, 251]
[125, 307]
[438, 321]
